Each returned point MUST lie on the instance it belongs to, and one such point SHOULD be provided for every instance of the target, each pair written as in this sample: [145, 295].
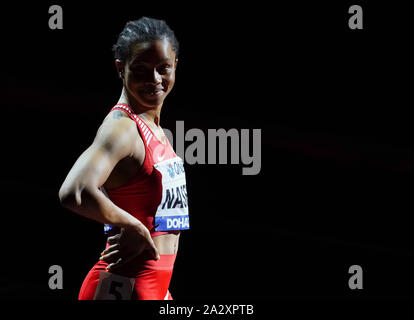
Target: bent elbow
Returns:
[69, 197]
[74, 197]
[66, 198]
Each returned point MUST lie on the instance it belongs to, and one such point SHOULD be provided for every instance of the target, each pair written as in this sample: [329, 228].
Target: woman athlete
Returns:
[130, 179]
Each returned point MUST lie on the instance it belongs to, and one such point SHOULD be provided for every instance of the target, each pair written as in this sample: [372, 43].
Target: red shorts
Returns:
[140, 279]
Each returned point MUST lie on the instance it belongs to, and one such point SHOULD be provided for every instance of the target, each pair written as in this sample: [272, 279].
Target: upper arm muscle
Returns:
[115, 140]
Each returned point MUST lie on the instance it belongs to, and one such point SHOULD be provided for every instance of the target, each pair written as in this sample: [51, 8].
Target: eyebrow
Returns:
[135, 62]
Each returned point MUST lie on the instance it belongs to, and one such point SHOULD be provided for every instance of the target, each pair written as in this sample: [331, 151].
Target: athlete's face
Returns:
[149, 74]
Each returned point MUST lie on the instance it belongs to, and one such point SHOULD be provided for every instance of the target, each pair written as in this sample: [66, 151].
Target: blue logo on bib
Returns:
[170, 170]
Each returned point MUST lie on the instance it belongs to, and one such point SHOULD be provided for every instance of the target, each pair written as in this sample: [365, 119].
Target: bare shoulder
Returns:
[116, 115]
[117, 131]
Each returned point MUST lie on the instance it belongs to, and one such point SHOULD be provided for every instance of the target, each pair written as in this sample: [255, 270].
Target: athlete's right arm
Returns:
[116, 139]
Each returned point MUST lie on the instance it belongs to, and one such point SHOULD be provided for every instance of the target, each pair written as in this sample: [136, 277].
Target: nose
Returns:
[155, 77]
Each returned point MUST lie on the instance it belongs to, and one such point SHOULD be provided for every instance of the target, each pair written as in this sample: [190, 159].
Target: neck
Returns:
[151, 114]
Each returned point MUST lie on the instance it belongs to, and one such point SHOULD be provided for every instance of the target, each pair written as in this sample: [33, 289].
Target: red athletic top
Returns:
[141, 196]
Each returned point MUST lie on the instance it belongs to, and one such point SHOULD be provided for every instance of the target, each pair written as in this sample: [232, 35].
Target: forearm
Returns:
[93, 204]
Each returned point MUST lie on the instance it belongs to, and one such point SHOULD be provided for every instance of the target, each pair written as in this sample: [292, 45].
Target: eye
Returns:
[165, 68]
[138, 69]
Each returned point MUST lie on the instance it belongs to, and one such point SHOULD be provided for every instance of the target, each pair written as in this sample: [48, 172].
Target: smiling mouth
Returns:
[153, 92]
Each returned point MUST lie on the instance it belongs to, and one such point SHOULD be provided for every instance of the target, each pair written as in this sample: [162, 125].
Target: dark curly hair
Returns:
[142, 30]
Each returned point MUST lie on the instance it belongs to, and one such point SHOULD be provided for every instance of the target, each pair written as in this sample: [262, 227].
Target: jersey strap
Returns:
[146, 132]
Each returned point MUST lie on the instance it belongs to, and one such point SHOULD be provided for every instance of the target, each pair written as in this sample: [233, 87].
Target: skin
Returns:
[118, 152]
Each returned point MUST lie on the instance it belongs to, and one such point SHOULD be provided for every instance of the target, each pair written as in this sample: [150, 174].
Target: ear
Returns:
[175, 63]
[119, 65]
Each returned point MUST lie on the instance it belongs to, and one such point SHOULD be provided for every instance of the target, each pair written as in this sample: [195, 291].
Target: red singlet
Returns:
[140, 197]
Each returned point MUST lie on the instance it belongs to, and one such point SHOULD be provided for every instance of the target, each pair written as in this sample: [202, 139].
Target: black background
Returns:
[334, 106]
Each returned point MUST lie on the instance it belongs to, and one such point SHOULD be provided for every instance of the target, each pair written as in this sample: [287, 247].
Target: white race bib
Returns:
[114, 287]
[172, 213]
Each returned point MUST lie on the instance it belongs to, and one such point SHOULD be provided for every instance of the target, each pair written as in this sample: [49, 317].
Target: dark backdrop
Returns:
[334, 107]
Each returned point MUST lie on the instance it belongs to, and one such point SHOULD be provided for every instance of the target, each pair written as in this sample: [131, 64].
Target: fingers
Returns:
[118, 257]
[120, 262]
[153, 251]
[117, 254]
[111, 248]
[114, 239]
[114, 265]
[110, 257]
